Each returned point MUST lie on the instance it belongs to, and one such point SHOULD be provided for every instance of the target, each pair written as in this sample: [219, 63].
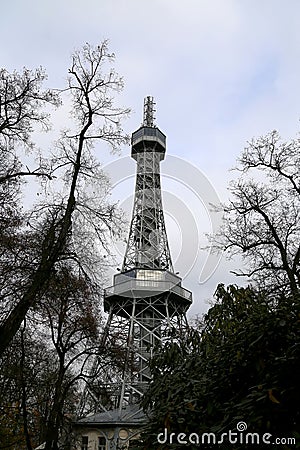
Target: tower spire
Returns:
[149, 112]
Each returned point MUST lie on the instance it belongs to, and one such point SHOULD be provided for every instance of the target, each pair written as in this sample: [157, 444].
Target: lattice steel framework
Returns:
[146, 301]
[147, 243]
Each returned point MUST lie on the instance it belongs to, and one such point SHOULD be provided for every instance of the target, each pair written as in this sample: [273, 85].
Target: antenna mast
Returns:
[149, 111]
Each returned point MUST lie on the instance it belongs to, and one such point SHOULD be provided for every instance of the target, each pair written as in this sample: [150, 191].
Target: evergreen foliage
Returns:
[241, 363]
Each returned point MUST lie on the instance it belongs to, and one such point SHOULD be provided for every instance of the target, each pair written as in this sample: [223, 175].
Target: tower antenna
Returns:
[149, 111]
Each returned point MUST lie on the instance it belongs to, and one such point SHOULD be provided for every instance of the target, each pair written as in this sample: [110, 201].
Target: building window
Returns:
[101, 443]
[84, 443]
[156, 275]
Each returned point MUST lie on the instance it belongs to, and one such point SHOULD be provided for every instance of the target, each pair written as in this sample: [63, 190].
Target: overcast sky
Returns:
[221, 72]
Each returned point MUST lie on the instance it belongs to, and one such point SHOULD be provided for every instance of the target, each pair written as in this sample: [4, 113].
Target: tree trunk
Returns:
[49, 257]
[55, 417]
[24, 394]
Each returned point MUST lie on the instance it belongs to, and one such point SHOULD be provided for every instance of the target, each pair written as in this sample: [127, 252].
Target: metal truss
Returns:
[147, 243]
[136, 327]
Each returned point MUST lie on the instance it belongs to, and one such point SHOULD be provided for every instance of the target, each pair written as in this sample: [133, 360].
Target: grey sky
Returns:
[221, 71]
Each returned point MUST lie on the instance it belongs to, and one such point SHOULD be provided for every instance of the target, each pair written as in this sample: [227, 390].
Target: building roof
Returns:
[132, 415]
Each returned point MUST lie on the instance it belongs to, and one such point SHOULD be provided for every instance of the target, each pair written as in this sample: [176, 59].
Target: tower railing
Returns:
[155, 287]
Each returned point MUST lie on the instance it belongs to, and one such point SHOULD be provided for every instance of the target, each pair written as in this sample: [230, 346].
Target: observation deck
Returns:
[146, 283]
[148, 139]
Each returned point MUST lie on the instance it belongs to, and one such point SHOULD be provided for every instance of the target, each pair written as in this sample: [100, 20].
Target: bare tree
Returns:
[261, 222]
[91, 87]
[26, 387]
[23, 104]
[69, 314]
[51, 359]
[22, 108]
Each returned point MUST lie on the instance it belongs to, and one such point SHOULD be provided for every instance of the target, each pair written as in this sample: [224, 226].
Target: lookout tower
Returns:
[146, 301]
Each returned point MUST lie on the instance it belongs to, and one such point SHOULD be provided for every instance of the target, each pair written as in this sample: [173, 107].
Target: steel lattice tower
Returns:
[146, 300]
